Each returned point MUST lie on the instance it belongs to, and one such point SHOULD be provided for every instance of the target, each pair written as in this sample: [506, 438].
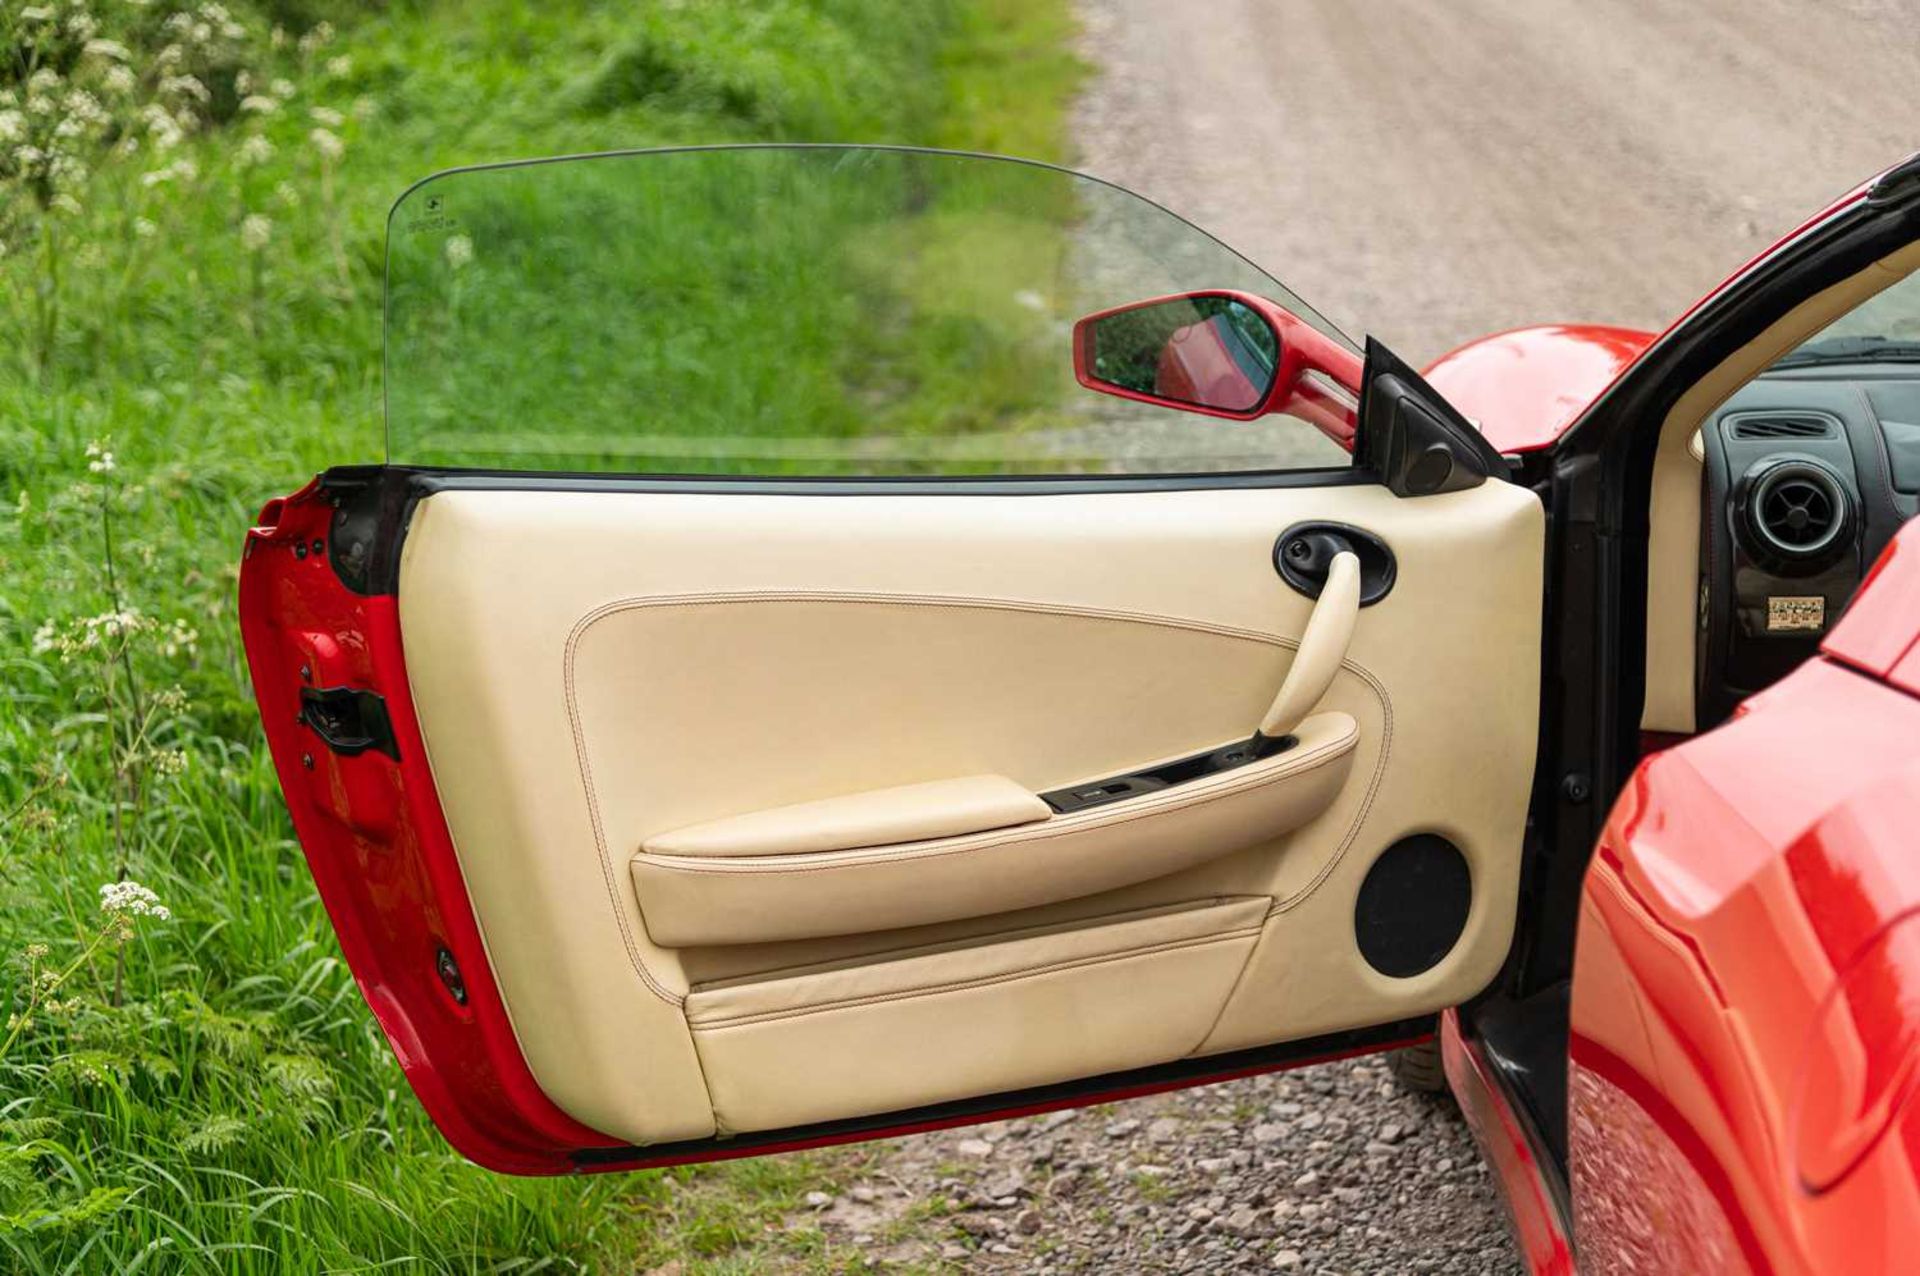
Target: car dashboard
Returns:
[1807, 474]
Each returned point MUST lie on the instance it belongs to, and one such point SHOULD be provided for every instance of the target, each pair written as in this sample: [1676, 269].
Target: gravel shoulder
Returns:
[1329, 1169]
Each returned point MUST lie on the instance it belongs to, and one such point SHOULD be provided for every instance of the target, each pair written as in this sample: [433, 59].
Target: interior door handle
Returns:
[1322, 647]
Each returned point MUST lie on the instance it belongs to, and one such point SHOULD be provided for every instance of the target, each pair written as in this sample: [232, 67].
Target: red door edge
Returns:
[1540, 1229]
[380, 852]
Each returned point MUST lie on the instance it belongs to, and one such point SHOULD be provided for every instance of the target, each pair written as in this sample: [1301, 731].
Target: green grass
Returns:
[212, 1096]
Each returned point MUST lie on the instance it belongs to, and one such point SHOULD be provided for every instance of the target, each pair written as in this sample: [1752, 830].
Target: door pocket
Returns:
[928, 1025]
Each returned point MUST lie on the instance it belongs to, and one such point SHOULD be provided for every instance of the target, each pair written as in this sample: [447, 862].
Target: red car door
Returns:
[762, 700]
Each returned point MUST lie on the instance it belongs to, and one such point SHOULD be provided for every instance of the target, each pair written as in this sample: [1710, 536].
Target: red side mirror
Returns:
[1220, 353]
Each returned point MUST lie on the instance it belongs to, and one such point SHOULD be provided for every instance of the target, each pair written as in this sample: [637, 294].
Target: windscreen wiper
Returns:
[1864, 349]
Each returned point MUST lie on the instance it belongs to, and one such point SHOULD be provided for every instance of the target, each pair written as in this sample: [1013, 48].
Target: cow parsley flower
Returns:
[459, 251]
[256, 230]
[131, 899]
[328, 144]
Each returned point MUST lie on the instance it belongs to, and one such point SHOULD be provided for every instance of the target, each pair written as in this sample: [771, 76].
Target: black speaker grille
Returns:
[1413, 905]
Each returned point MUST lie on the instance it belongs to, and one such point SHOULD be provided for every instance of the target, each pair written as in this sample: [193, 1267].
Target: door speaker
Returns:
[1413, 905]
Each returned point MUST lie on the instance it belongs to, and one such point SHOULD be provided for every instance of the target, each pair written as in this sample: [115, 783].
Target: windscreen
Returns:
[791, 310]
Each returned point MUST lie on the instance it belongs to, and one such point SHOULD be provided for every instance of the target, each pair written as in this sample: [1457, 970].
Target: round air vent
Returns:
[1797, 509]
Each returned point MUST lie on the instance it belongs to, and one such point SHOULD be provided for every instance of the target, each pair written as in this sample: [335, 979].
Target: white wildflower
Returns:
[99, 458]
[318, 38]
[177, 638]
[281, 89]
[46, 638]
[255, 232]
[162, 127]
[65, 204]
[67, 171]
[107, 49]
[13, 126]
[459, 251]
[255, 150]
[131, 899]
[36, 13]
[327, 115]
[120, 80]
[81, 26]
[84, 106]
[328, 144]
[259, 104]
[184, 170]
[43, 80]
[340, 67]
[277, 37]
[143, 228]
[186, 86]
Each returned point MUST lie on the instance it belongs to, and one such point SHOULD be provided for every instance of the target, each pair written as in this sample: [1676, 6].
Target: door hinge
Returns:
[348, 720]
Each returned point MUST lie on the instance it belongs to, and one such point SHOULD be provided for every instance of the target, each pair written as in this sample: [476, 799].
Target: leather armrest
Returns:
[881, 817]
[743, 899]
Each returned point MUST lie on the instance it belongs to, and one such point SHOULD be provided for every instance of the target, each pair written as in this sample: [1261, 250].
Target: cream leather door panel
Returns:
[746, 787]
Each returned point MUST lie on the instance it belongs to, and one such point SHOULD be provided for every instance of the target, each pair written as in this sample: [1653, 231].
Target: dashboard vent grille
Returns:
[1799, 509]
[1782, 427]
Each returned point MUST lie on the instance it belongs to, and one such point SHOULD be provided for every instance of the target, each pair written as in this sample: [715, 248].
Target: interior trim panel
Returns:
[598, 670]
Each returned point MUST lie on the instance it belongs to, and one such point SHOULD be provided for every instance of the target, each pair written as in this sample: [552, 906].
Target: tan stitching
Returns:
[985, 981]
[1240, 977]
[600, 835]
[908, 600]
[833, 861]
[1366, 804]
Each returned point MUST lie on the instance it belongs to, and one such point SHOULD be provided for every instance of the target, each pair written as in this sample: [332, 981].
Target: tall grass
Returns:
[189, 324]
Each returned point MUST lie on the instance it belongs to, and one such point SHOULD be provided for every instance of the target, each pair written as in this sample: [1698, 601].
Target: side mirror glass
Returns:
[1210, 352]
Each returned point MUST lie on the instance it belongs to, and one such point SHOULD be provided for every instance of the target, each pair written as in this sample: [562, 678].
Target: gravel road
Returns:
[1431, 172]
[1428, 173]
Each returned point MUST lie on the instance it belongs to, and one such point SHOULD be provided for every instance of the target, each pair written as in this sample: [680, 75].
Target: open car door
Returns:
[767, 698]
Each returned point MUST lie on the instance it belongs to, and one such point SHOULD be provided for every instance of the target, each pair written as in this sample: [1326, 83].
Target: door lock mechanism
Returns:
[349, 720]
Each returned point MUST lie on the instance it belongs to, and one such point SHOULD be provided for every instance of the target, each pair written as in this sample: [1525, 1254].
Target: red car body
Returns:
[1745, 1014]
[1744, 1045]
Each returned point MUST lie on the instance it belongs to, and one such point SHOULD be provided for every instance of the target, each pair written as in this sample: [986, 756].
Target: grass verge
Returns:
[190, 300]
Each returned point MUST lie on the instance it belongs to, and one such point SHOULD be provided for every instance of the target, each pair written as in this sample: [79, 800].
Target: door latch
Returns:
[348, 720]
